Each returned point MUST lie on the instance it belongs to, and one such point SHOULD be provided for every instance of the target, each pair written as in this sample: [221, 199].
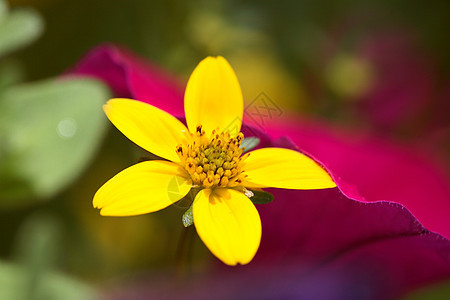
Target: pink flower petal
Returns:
[379, 247]
[320, 245]
[380, 170]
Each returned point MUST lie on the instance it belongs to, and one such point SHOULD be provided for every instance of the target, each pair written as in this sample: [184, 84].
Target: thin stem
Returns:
[183, 254]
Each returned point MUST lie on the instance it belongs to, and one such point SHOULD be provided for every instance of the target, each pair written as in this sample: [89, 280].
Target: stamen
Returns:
[248, 193]
[213, 161]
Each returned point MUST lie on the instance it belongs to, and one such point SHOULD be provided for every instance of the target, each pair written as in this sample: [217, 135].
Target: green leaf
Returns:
[14, 285]
[11, 72]
[18, 28]
[249, 143]
[4, 10]
[37, 251]
[37, 242]
[261, 197]
[49, 131]
[188, 217]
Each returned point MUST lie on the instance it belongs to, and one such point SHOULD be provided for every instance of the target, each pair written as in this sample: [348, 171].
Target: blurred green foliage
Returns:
[18, 28]
[50, 131]
[31, 276]
[16, 284]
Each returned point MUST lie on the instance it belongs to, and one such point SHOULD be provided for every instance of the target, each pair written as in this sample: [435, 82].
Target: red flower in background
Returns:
[364, 239]
[404, 80]
[387, 81]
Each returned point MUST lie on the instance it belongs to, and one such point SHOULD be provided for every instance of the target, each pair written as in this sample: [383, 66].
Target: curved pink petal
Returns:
[131, 77]
[369, 169]
[379, 246]
[321, 245]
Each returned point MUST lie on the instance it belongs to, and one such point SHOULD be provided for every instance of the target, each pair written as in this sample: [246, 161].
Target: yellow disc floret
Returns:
[214, 160]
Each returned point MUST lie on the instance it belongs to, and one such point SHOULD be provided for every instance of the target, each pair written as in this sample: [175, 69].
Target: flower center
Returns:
[214, 160]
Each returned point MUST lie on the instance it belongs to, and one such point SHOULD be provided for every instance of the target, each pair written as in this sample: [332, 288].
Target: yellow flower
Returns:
[206, 156]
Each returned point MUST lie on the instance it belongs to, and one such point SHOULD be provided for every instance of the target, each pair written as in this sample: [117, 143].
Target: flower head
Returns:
[207, 156]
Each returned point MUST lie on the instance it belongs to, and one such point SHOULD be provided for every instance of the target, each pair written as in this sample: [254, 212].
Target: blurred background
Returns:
[382, 66]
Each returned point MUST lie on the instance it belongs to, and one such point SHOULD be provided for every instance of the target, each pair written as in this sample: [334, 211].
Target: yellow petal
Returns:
[213, 97]
[284, 168]
[228, 223]
[147, 126]
[143, 188]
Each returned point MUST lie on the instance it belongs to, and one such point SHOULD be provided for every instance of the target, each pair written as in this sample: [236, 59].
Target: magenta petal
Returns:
[320, 245]
[379, 247]
[131, 77]
[380, 170]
